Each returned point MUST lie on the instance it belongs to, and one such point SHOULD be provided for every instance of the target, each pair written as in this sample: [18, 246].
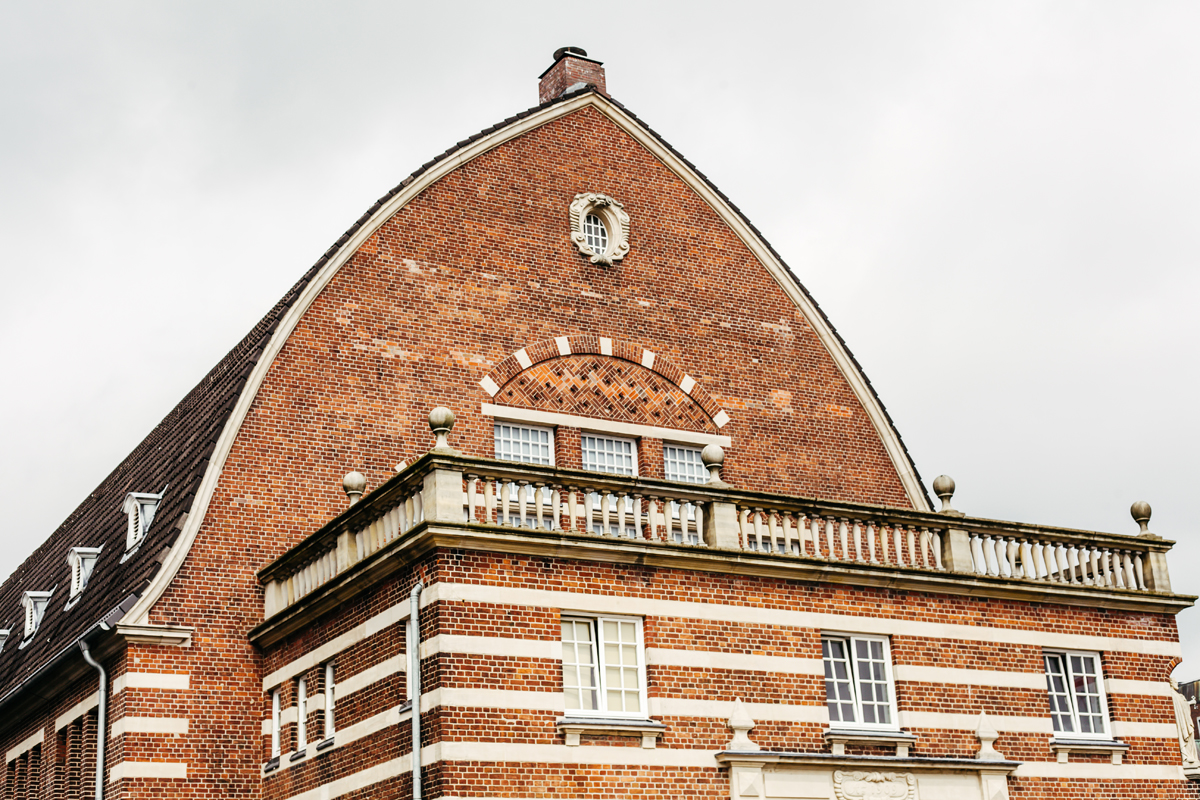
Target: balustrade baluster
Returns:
[556, 508]
[572, 508]
[989, 555]
[937, 550]
[522, 503]
[472, 515]
[621, 515]
[856, 535]
[589, 509]
[1039, 561]
[897, 544]
[790, 545]
[830, 542]
[871, 542]
[815, 523]
[912, 555]
[1071, 554]
[1130, 577]
[773, 530]
[699, 524]
[758, 530]
[1137, 570]
[926, 555]
[506, 493]
[844, 538]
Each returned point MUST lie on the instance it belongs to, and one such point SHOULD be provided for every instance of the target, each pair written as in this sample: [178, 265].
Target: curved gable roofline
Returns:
[465, 151]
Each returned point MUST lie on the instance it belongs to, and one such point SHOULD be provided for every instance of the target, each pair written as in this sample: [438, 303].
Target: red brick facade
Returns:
[436, 302]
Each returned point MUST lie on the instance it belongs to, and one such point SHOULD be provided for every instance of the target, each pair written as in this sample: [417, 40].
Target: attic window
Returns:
[599, 228]
[81, 560]
[140, 508]
[35, 608]
[597, 234]
[4, 632]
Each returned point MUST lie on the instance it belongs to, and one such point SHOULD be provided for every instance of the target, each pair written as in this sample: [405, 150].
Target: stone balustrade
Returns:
[445, 490]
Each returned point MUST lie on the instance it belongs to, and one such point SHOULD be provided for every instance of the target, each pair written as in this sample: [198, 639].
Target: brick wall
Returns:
[593, 585]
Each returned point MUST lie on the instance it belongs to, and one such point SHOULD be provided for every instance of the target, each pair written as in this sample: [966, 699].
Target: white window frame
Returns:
[596, 621]
[520, 426]
[858, 724]
[633, 443]
[594, 498]
[301, 714]
[276, 726]
[691, 449]
[1069, 677]
[329, 693]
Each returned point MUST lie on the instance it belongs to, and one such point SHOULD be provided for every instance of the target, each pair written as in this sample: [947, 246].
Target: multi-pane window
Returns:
[683, 464]
[276, 724]
[858, 681]
[1077, 703]
[616, 457]
[523, 443]
[608, 454]
[603, 666]
[329, 730]
[596, 233]
[529, 445]
[301, 714]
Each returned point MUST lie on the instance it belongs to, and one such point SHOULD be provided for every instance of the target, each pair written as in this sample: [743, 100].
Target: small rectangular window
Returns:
[858, 682]
[524, 443]
[1077, 703]
[276, 727]
[608, 454]
[683, 464]
[604, 666]
[329, 729]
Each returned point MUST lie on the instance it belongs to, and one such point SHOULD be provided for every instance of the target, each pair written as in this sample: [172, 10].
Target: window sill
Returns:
[1064, 747]
[648, 729]
[838, 738]
[296, 756]
[325, 743]
[272, 765]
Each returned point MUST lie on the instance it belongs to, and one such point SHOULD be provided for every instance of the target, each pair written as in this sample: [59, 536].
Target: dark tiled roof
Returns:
[176, 454]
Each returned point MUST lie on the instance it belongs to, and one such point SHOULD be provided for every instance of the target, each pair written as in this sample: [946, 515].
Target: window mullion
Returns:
[601, 665]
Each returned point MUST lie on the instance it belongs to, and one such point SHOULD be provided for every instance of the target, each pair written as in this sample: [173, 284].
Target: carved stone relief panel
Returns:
[874, 786]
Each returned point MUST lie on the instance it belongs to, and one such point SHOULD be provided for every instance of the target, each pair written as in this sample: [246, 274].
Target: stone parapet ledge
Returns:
[975, 552]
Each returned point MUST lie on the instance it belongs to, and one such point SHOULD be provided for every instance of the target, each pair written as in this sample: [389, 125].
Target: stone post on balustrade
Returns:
[956, 543]
[720, 521]
[1154, 569]
[346, 555]
[443, 496]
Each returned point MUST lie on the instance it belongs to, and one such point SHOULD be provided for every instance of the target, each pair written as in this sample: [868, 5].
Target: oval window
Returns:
[596, 233]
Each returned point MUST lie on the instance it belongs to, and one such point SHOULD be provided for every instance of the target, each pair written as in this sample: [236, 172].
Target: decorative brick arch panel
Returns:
[594, 376]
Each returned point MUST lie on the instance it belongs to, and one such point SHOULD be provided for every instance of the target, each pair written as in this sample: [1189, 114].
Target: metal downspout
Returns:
[414, 682]
[101, 719]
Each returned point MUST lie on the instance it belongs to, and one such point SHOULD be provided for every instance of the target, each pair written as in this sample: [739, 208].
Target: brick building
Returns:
[669, 540]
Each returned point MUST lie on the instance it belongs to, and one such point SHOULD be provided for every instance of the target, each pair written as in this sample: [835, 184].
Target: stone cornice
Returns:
[426, 537]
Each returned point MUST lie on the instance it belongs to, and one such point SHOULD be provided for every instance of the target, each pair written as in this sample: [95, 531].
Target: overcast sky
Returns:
[996, 204]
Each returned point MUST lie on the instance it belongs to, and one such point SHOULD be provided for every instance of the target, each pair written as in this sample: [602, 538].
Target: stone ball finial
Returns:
[713, 458]
[441, 420]
[943, 487]
[1140, 511]
[354, 484]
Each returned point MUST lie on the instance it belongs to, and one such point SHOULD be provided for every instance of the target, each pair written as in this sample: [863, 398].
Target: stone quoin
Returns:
[553, 463]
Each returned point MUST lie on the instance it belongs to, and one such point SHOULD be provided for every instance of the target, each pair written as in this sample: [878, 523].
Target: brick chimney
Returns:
[571, 69]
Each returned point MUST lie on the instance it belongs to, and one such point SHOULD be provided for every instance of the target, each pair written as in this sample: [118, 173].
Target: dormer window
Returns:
[140, 508]
[4, 632]
[35, 608]
[81, 560]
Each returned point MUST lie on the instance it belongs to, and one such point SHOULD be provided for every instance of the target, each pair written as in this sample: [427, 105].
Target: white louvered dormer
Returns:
[81, 560]
[4, 632]
[35, 608]
[140, 508]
